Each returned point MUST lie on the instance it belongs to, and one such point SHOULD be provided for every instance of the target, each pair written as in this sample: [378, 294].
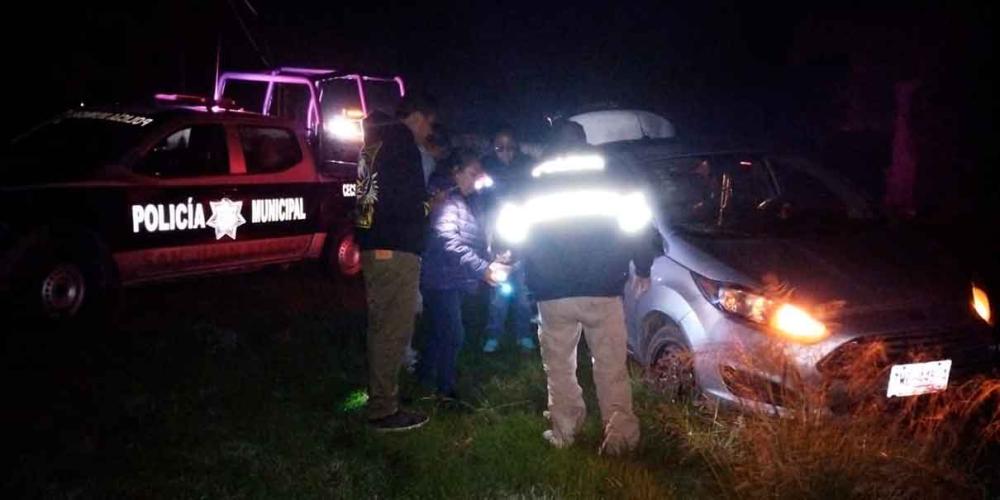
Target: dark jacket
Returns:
[455, 254]
[587, 257]
[584, 260]
[507, 177]
[391, 191]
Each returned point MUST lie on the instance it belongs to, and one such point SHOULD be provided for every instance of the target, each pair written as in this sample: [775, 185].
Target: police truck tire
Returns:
[342, 256]
[68, 282]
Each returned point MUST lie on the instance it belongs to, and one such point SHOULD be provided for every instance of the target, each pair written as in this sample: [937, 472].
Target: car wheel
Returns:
[65, 282]
[342, 255]
[671, 371]
[63, 290]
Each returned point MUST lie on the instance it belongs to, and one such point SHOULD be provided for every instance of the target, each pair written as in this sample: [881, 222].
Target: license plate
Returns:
[918, 378]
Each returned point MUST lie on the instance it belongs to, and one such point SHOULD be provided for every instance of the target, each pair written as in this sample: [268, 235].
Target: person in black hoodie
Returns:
[390, 226]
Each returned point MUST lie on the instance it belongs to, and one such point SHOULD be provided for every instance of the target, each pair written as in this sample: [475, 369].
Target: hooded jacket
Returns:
[391, 209]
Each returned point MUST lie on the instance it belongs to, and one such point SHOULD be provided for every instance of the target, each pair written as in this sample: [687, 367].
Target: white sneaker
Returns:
[491, 345]
[554, 440]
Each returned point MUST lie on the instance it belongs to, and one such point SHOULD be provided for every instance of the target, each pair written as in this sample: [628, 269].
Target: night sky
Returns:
[714, 67]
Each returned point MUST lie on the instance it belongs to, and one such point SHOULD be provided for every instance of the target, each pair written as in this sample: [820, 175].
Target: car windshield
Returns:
[67, 148]
[749, 195]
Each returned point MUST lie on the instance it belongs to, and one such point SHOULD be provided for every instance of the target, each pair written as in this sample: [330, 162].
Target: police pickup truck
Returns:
[98, 199]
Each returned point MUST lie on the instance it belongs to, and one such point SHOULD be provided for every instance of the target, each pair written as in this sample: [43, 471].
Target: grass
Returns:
[248, 387]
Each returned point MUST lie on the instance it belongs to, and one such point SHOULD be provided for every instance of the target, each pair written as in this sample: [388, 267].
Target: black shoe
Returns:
[399, 421]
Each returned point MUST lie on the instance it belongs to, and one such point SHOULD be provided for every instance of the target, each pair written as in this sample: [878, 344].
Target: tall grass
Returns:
[932, 446]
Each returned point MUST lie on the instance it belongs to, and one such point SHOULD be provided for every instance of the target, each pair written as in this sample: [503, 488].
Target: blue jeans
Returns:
[445, 335]
[501, 305]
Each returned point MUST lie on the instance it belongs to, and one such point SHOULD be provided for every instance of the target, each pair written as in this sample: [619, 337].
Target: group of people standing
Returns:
[426, 232]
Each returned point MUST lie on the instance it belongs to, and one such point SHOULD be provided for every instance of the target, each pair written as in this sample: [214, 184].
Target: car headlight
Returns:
[981, 304]
[786, 319]
[345, 128]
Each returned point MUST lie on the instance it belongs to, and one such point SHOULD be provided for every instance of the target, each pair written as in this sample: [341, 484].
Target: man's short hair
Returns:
[414, 102]
[459, 159]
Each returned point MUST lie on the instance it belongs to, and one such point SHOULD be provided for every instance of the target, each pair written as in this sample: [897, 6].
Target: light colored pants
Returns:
[603, 321]
[391, 287]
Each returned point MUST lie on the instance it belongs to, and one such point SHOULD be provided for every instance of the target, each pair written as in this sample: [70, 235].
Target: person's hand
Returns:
[639, 286]
[497, 273]
[504, 258]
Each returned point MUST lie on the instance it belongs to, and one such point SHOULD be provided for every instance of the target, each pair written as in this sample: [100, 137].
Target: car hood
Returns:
[880, 269]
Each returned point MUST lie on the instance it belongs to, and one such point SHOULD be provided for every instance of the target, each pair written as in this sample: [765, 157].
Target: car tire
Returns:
[67, 282]
[671, 366]
[342, 255]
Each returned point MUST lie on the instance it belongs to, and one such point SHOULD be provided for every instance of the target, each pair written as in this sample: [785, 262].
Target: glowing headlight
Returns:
[345, 128]
[790, 321]
[797, 324]
[981, 304]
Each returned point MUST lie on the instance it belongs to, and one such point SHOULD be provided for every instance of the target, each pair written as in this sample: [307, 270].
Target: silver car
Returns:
[780, 286]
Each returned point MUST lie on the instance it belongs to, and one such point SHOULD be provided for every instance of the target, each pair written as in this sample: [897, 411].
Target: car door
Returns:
[185, 215]
[275, 178]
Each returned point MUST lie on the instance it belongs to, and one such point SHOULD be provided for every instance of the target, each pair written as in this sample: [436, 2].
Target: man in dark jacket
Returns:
[509, 168]
[390, 230]
[587, 221]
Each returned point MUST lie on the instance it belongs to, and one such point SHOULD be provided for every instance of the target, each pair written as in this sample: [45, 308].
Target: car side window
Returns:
[269, 149]
[195, 151]
[713, 190]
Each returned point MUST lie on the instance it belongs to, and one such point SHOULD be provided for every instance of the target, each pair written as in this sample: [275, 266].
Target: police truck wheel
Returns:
[63, 290]
[343, 255]
[68, 283]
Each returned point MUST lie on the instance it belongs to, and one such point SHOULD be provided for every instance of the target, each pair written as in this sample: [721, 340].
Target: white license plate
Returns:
[918, 378]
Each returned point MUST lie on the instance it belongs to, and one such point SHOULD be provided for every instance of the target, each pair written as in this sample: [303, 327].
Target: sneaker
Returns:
[527, 343]
[399, 421]
[554, 440]
[491, 345]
